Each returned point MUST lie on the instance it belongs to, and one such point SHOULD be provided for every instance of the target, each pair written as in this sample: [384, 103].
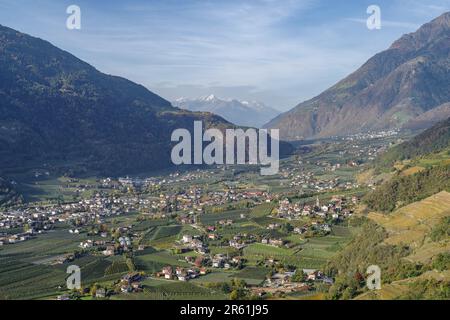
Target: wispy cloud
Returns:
[387, 23]
[277, 51]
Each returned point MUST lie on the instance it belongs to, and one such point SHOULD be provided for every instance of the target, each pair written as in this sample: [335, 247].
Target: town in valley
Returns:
[222, 232]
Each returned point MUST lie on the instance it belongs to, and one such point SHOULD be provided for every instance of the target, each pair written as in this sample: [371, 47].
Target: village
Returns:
[201, 226]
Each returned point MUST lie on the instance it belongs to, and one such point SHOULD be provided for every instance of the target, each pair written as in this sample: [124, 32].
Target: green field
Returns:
[308, 253]
[173, 290]
[212, 218]
[262, 210]
[154, 262]
[252, 275]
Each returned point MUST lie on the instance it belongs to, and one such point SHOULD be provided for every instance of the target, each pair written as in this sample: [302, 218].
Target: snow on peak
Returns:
[211, 97]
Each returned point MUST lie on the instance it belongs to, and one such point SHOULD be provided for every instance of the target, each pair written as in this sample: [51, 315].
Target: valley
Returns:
[215, 232]
[98, 202]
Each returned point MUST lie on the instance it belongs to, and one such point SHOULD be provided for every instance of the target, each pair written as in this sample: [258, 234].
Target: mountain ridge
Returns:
[390, 89]
[58, 108]
[239, 112]
[434, 139]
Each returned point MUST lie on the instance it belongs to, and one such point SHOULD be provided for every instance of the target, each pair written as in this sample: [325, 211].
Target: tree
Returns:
[226, 287]
[93, 290]
[349, 293]
[26, 227]
[287, 227]
[299, 276]
[238, 294]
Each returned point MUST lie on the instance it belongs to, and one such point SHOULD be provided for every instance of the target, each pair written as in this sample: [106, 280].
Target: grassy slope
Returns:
[399, 288]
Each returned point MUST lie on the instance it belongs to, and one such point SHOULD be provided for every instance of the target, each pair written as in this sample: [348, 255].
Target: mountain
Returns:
[389, 90]
[8, 195]
[57, 109]
[243, 113]
[429, 118]
[435, 139]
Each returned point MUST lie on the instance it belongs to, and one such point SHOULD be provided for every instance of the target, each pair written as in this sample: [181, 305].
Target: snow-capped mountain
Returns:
[243, 113]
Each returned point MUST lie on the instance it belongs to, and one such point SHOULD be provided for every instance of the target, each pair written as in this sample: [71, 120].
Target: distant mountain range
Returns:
[58, 110]
[404, 86]
[242, 113]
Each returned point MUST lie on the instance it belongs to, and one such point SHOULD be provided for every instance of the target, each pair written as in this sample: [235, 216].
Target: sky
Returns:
[279, 52]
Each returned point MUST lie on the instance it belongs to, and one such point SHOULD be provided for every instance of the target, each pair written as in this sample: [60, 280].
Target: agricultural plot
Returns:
[156, 261]
[28, 281]
[212, 218]
[172, 290]
[252, 275]
[166, 231]
[309, 253]
[161, 236]
[295, 239]
[52, 243]
[317, 251]
[149, 266]
[265, 221]
[148, 224]
[148, 236]
[342, 231]
[262, 210]
[116, 267]
[187, 229]
[147, 250]
[259, 249]
[397, 288]
[215, 277]
[223, 250]
[229, 232]
[411, 223]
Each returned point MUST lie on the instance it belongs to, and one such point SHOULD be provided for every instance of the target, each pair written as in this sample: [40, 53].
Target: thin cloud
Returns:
[387, 23]
[277, 51]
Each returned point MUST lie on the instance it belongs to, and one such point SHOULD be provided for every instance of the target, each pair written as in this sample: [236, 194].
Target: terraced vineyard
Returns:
[411, 223]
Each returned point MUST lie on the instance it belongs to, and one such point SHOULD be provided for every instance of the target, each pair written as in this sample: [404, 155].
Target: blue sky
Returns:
[279, 52]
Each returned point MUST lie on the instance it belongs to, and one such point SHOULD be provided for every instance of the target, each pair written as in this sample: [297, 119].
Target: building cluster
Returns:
[337, 208]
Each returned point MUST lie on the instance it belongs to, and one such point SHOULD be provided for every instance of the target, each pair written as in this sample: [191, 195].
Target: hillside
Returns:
[388, 91]
[242, 113]
[412, 223]
[429, 118]
[425, 286]
[411, 246]
[433, 140]
[59, 110]
[412, 170]
[8, 195]
[424, 227]
[404, 189]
